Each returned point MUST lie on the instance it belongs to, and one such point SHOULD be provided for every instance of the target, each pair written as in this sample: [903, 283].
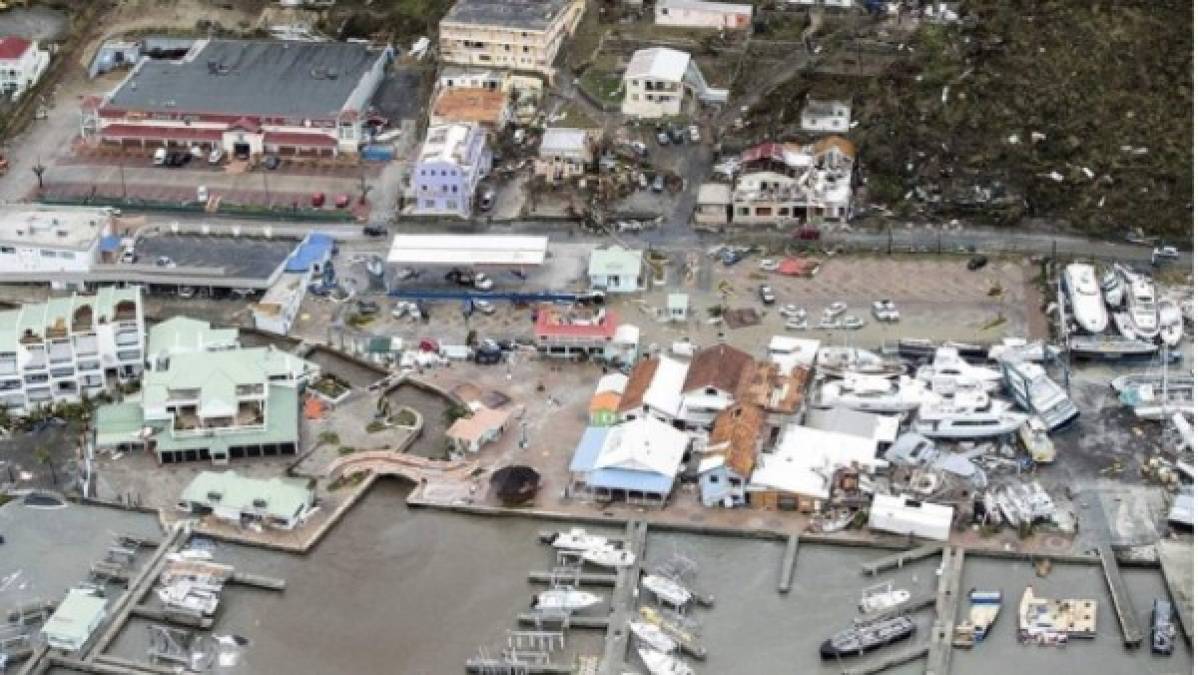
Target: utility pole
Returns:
[38, 170]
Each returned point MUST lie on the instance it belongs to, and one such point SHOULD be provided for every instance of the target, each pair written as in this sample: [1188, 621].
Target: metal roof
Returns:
[532, 15]
[615, 260]
[658, 63]
[72, 623]
[316, 248]
[439, 249]
[181, 334]
[279, 497]
[250, 77]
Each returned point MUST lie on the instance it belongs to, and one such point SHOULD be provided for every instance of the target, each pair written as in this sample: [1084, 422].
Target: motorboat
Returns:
[574, 539]
[983, 612]
[1034, 391]
[1033, 436]
[609, 556]
[1085, 296]
[659, 663]
[652, 635]
[1113, 288]
[948, 371]
[1019, 349]
[839, 361]
[1171, 322]
[1159, 401]
[1142, 303]
[950, 422]
[565, 599]
[1050, 621]
[1164, 633]
[1154, 378]
[189, 597]
[873, 393]
[687, 640]
[860, 639]
[882, 597]
[1125, 326]
[667, 590]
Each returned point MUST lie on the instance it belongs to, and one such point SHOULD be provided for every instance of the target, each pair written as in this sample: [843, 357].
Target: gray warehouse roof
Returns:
[528, 14]
[250, 77]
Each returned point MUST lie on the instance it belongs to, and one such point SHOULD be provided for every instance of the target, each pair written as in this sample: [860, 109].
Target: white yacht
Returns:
[659, 663]
[567, 599]
[875, 394]
[1113, 288]
[948, 372]
[950, 422]
[1172, 324]
[1085, 297]
[1035, 392]
[667, 590]
[609, 556]
[652, 635]
[881, 597]
[575, 539]
[1142, 303]
[839, 361]
[1125, 326]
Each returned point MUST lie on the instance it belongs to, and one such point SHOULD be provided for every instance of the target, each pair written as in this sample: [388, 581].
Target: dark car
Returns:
[767, 294]
[488, 353]
[374, 231]
[677, 135]
[176, 158]
[271, 162]
[368, 307]
[460, 277]
[977, 262]
[730, 257]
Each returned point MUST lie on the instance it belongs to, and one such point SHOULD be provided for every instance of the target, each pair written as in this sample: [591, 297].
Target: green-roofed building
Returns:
[212, 405]
[70, 347]
[181, 335]
[72, 624]
[616, 269]
[274, 502]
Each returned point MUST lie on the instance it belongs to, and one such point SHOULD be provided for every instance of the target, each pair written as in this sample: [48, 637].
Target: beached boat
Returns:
[840, 361]
[983, 612]
[1034, 391]
[652, 635]
[1085, 297]
[882, 596]
[1164, 632]
[949, 372]
[1142, 303]
[1049, 621]
[1113, 288]
[659, 663]
[1033, 436]
[609, 556]
[565, 599]
[872, 393]
[574, 539]
[667, 590]
[951, 422]
[858, 640]
[1019, 349]
[1172, 324]
[1124, 325]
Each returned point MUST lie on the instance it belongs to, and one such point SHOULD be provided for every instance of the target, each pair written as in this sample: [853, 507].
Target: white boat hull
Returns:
[968, 426]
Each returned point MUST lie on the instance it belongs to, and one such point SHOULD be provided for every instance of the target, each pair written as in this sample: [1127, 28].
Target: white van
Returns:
[160, 157]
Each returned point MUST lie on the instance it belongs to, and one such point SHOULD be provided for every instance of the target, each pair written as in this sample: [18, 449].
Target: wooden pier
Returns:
[582, 579]
[895, 560]
[787, 573]
[948, 591]
[623, 602]
[1177, 566]
[531, 619]
[177, 618]
[890, 660]
[1125, 610]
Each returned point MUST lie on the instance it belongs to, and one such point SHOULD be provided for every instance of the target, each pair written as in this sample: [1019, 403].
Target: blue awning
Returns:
[630, 481]
[110, 243]
[315, 248]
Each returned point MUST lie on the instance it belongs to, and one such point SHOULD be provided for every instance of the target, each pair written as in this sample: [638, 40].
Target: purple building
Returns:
[453, 159]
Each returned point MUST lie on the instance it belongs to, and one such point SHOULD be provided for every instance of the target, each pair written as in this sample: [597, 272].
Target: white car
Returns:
[884, 310]
[484, 306]
[483, 282]
[129, 256]
[628, 226]
[792, 312]
[694, 133]
[164, 261]
[215, 156]
[202, 193]
[1166, 252]
[767, 264]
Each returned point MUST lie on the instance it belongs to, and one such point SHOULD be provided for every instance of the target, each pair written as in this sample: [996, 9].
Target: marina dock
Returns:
[623, 602]
[581, 579]
[889, 661]
[1177, 566]
[1125, 610]
[948, 592]
[489, 666]
[896, 560]
[787, 573]
[176, 618]
[531, 619]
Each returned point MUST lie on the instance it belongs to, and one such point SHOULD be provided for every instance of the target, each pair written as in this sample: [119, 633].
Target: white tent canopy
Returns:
[437, 249]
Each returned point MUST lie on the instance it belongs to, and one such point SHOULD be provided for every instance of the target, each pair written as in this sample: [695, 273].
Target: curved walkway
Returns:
[390, 463]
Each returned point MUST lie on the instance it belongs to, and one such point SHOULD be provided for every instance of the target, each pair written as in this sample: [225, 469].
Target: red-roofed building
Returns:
[21, 65]
[564, 332]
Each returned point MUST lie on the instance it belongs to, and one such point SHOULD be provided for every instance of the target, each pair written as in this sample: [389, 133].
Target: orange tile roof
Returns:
[736, 434]
[638, 383]
[607, 400]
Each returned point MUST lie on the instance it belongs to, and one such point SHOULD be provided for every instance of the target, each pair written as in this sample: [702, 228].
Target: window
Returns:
[526, 50]
[7, 249]
[47, 254]
[635, 97]
[455, 189]
[742, 211]
[784, 210]
[66, 255]
[429, 203]
[451, 203]
[713, 478]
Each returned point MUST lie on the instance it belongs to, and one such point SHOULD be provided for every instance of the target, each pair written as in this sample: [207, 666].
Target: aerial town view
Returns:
[596, 337]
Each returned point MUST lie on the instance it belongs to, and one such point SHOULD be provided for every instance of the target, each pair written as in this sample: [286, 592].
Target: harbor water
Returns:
[393, 590]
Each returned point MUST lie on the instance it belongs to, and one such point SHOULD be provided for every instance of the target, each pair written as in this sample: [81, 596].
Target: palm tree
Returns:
[43, 457]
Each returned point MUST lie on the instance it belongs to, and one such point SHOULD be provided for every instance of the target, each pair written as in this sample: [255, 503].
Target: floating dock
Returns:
[576, 621]
[176, 618]
[623, 602]
[1125, 610]
[891, 660]
[1177, 566]
[497, 666]
[896, 560]
[581, 579]
[948, 596]
[787, 574]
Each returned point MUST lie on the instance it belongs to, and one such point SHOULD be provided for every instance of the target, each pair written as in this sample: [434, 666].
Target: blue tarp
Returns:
[316, 248]
[110, 243]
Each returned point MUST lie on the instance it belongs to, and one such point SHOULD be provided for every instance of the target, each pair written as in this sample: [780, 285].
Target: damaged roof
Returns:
[470, 104]
[736, 435]
[776, 390]
[527, 14]
[638, 383]
[721, 367]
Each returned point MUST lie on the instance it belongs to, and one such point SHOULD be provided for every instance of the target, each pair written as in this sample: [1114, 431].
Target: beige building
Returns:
[564, 153]
[519, 36]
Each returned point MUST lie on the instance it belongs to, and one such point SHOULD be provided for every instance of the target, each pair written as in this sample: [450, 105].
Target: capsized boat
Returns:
[1034, 391]
[609, 556]
[983, 612]
[189, 597]
[1164, 632]
[667, 590]
[565, 599]
[1085, 297]
[659, 663]
[882, 596]
[874, 393]
[574, 539]
[867, 637]
[1113, 288]
[652, 635]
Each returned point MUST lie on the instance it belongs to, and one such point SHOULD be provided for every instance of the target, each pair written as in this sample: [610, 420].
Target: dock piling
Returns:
[786, 576]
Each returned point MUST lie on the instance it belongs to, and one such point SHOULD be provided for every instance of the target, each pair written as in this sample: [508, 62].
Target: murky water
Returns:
[393, 590]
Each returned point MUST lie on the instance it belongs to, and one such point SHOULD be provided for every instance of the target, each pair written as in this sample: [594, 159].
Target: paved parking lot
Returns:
[240, 256]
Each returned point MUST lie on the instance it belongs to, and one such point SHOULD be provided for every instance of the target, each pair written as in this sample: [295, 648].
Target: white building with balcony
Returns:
[65, 348]
[21, 65]
[661, 82]
[37, 239]
[523, 35]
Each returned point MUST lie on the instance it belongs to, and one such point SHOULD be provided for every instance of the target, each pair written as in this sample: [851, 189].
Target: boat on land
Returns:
[574, 539]
[660, 663]
[1085, 297]
[1125, 326]
[950, 422]
[565, 599]
[1113, 288]
[667, 590]
[858, 640]
[1142, 304]
[1033, 436]
[874, 393]
[840, 361]
[881, 597]
[1164, 632]
[948, 371]
[609, 556]
[1172, 324]
[1109, 347]
[652, 635]
[1037, 393]
[983, 612]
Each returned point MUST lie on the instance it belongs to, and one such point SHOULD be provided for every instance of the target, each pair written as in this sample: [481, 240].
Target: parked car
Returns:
[487, 200]
[677, 136]
[1165, 253]
[460, 277]
[216, 156]
[187, 292]
[766, 294]
[406, 273]
[374, 231]
[202, 193]
[663, 138]
[271, 162]
[177, 159]
[694, 133]
[164, 262]
[659, 183]
[640, 148]
[368, 307]
[160, 157]
[884, 310]
[730, 257]
[483, 282]
[341, 201]
[977, 262]
[485, 306]
[629, 226]
[128, 256]
[317, 200]
[487, 353]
